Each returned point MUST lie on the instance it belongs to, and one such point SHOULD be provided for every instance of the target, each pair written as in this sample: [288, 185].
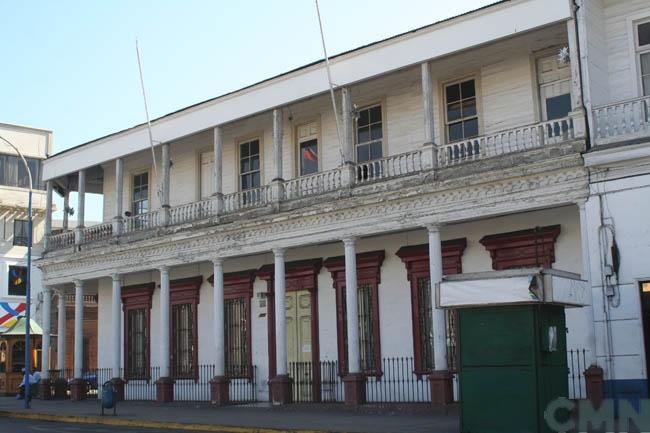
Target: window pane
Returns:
[363, 118]
[471, 128]
[255, 183]
[469, 107]
[375, 114]
[453, 92]
[558, 106]
[17, 280]
[455, 131]
[646, 85]
[255, 147]
[375, 150]
[308, 157]
[245, 182]
[255, 163]
[245, 165]
[644, 34]
[363, 134]
[243, 150]
[376, 132]
[453, 111]
[363, 153]
[467, 89]
[21, 233]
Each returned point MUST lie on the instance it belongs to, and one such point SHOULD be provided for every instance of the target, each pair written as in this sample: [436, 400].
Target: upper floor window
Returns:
[554, 80]
[249, 164]
[140, 193]
[643, 49]
[461, 116]
[308, 148]
[13, 172]
[21, 233]
[369, 134]
[17, 280]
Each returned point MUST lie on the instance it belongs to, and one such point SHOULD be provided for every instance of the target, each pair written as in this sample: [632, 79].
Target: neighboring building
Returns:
[36, 145]
[470, 131]
[617, 89]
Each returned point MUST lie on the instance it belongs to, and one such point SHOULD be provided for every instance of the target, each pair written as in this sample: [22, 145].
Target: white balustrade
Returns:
[192, 211]
[505, 142]
[143, 221]
[60, 240]
[391, 166]
[247, 199]
[622, 120]
[97, 232]
[314, 184]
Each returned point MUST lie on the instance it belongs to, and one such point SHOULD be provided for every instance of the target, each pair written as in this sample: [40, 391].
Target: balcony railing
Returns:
[404, 164]
[622, 120]
[509, 141]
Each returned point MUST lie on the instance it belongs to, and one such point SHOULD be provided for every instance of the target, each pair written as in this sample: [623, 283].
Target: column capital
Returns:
[434, 227]
[217, 261]
[116, 277]
[279, 252]
[581, 203]
[349, 241]
[163, 269]
[78, 283]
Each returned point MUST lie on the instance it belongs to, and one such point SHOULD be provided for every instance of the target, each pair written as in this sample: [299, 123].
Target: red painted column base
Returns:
[165, 390]
[594, 384]
[45, 389]
[354, 385]
[219, 391]
[281, 389]
[118, 384]
[78, 389]
[442, 391]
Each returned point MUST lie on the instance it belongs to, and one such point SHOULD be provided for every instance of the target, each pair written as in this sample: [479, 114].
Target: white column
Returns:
[119, 196]
[78, 328]
[48, 212]
[430, 150]
[81, 204]
[576, 88]
[47, 330]
[280, 314]
[66, 206]
[165, 183]
[219, 318]
[60, 339]
[351, 305]
[438, 314]
[164, 322]
[586, 275]
[347, 130]
[277, 143]
[217, 179]
[116, 322]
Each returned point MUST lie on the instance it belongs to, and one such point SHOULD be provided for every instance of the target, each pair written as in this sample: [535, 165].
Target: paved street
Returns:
[24, 425]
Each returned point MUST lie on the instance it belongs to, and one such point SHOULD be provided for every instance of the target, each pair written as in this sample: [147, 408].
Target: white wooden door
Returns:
[554, 79]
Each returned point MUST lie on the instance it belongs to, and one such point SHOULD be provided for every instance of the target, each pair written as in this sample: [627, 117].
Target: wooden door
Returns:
[299, 350]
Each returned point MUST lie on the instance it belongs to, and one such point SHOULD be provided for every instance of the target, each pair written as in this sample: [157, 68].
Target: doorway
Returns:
[644, 288]
[299, 352]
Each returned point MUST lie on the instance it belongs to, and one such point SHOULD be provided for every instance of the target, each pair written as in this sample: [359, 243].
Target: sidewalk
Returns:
[260, 418]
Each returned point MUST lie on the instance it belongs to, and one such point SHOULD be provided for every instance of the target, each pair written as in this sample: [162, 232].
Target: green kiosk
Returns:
[512, 345]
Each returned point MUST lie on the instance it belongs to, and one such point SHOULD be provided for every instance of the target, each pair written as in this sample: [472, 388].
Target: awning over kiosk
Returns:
[517, 286]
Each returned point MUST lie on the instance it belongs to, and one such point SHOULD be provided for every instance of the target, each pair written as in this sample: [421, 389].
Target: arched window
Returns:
[18, 356]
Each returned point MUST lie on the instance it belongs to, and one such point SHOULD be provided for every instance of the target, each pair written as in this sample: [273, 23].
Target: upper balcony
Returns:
[622, 121]
[504, 104]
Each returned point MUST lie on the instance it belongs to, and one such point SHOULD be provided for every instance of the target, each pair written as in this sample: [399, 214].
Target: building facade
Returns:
[276, 242]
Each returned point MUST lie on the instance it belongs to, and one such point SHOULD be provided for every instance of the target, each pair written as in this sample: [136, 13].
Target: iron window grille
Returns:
[236, 325]
[183, 341]
[21, 233]
[136, 324]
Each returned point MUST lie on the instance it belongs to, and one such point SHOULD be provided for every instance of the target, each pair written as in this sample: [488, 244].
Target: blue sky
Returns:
[70, 66]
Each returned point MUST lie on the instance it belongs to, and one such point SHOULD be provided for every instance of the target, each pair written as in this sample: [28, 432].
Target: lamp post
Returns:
[28, 284]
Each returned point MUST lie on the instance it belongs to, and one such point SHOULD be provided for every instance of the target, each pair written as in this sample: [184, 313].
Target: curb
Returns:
[121, 422]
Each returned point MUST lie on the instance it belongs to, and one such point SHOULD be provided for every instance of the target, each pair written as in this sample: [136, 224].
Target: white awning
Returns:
[524, 286]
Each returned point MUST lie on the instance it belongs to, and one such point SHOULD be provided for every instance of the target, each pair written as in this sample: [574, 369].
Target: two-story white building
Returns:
[280, 246]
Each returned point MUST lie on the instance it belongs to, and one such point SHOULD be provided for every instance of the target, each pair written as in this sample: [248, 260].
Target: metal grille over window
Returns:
[183, 341]
[425, 317]
[137, 356]
[461, 113]
[236, 338]
[366, 338]
[21, 233]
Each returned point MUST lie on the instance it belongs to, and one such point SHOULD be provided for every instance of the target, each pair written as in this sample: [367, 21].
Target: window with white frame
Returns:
[140, 193]
[21, 233]
[461, 115]
[369, 134]
[249, 164]
[643, 51]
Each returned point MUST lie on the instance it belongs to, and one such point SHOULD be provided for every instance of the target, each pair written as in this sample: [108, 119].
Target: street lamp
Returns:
[28, 283]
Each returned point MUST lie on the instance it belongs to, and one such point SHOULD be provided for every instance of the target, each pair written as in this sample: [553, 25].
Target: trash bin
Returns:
[109, 397]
